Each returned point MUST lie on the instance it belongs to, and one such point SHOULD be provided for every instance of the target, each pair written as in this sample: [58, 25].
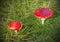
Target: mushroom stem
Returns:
[43, 19]
[15, 31]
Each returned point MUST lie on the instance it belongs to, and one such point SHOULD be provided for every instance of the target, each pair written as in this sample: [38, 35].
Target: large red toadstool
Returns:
[43, 13]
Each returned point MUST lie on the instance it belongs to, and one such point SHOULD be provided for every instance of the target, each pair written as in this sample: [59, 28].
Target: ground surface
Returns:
[32, 30]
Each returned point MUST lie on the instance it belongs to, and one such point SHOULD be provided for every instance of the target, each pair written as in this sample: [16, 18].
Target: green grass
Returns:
[32, 30]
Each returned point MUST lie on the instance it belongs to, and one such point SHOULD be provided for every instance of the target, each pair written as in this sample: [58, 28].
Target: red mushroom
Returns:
[15, 25]
[43, 13]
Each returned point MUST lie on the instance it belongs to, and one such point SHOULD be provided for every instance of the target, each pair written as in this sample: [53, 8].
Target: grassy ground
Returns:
[32, 30]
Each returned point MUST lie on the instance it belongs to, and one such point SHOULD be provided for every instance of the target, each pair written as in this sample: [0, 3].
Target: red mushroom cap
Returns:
[15, 25]
[43, 12]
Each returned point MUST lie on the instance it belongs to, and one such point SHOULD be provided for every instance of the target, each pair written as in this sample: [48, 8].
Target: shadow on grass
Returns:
[1, 32]
[3, 15]
[57, 35]
[57, 9]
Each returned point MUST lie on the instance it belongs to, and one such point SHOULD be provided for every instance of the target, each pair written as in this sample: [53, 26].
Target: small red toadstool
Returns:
[43, 13]
[15, 25]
